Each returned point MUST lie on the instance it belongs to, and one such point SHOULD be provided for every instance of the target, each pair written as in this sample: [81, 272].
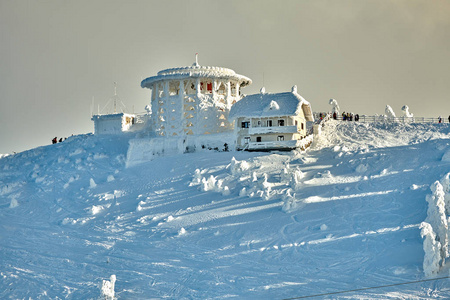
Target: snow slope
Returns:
[343, 215]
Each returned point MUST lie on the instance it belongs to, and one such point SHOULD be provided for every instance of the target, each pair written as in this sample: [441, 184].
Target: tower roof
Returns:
[196, 71]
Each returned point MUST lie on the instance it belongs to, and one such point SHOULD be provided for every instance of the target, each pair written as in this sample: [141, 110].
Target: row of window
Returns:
[269, 124]
[206, 87]
[258, 139]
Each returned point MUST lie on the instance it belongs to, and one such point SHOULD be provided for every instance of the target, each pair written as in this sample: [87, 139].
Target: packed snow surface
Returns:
[344, 215]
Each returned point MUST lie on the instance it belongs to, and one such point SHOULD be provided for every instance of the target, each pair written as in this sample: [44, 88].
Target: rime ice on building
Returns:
[193, 100]
[271, 121]
[115, 121]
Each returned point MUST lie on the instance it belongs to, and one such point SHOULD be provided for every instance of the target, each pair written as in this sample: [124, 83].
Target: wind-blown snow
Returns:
[344, 215]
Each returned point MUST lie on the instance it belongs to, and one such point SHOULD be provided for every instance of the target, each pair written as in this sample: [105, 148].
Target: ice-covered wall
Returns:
[193, 100]
[113, 123]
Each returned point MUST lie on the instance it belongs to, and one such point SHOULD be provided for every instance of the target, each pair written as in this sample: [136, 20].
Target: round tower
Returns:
[193, 100]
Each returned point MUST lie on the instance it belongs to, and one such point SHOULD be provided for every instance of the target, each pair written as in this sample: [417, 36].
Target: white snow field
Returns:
[343, 215]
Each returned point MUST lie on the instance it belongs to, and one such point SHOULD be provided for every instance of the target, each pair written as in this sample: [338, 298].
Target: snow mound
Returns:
[343, 215]
[363, 136]
[446, 156]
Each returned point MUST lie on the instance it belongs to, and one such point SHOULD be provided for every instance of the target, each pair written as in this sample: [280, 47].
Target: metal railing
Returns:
[403, 119]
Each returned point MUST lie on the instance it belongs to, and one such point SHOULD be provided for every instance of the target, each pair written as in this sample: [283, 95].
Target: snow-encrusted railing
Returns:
[403, 119]
[141, 117]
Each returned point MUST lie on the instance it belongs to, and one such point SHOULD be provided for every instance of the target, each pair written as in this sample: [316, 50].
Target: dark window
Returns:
[258, 139]
[280, 138]
[269, 123]
[280, 122]
[245, 124]
[302, 126]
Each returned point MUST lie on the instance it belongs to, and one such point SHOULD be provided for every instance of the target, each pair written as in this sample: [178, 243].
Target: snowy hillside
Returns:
[344, 215]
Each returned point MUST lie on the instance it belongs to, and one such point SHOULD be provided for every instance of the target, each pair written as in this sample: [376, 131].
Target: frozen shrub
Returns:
[436, 216]
[197, 178]
[289, 202]
[225, 191]
[431, 247]
[237, 167]
[208, 184]
[296, 176]
[108, 288]
[445, 182]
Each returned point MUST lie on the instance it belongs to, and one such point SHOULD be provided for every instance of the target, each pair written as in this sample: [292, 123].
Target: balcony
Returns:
[275, 145]
[272, 129]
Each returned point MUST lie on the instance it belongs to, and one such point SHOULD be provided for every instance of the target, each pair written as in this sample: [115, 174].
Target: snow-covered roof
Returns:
[111, 116]
[271, 105]
[196, 71]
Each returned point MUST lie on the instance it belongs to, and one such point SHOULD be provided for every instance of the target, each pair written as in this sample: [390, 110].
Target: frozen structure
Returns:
[268, 121]
[117, 122]
[193, 100]
[113, 123]
[406, 112]
[189, 110]
[390, 114]
[407, 115]
[334, 106]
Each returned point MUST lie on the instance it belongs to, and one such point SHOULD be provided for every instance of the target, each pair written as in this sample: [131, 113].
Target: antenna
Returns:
[115, 95]
[263, 80]
[92, 106]
[196, 59]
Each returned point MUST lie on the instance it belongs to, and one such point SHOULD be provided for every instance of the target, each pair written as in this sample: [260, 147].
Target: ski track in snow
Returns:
[353, 222]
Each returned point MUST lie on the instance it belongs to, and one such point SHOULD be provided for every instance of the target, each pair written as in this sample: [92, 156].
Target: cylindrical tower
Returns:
[193, 100]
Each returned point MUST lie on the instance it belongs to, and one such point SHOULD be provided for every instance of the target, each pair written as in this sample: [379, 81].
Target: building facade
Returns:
[271, 121]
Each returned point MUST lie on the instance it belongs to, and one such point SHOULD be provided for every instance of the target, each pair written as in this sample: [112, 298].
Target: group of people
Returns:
[347, 116]
[55, 140]
[440, 119]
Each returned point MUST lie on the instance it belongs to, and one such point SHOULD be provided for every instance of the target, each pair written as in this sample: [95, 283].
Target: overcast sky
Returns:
[56, 56]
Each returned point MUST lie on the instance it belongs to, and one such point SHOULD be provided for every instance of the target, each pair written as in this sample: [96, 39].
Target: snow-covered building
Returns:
[113, 123]
[193, 100]
[115, 120]
[268, 121]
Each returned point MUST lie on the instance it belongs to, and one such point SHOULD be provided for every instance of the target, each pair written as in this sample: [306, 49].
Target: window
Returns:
[245, 124]
[246, 140]
[296, 122]
[280, 138]
[259, 123]
[258, 139]
[269, 123]
[302, 126]
[280, 122]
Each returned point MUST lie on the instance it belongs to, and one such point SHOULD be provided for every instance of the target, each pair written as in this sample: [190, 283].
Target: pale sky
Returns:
[56, 56]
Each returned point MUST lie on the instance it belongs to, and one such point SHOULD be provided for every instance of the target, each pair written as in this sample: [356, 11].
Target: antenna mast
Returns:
[115, 95]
